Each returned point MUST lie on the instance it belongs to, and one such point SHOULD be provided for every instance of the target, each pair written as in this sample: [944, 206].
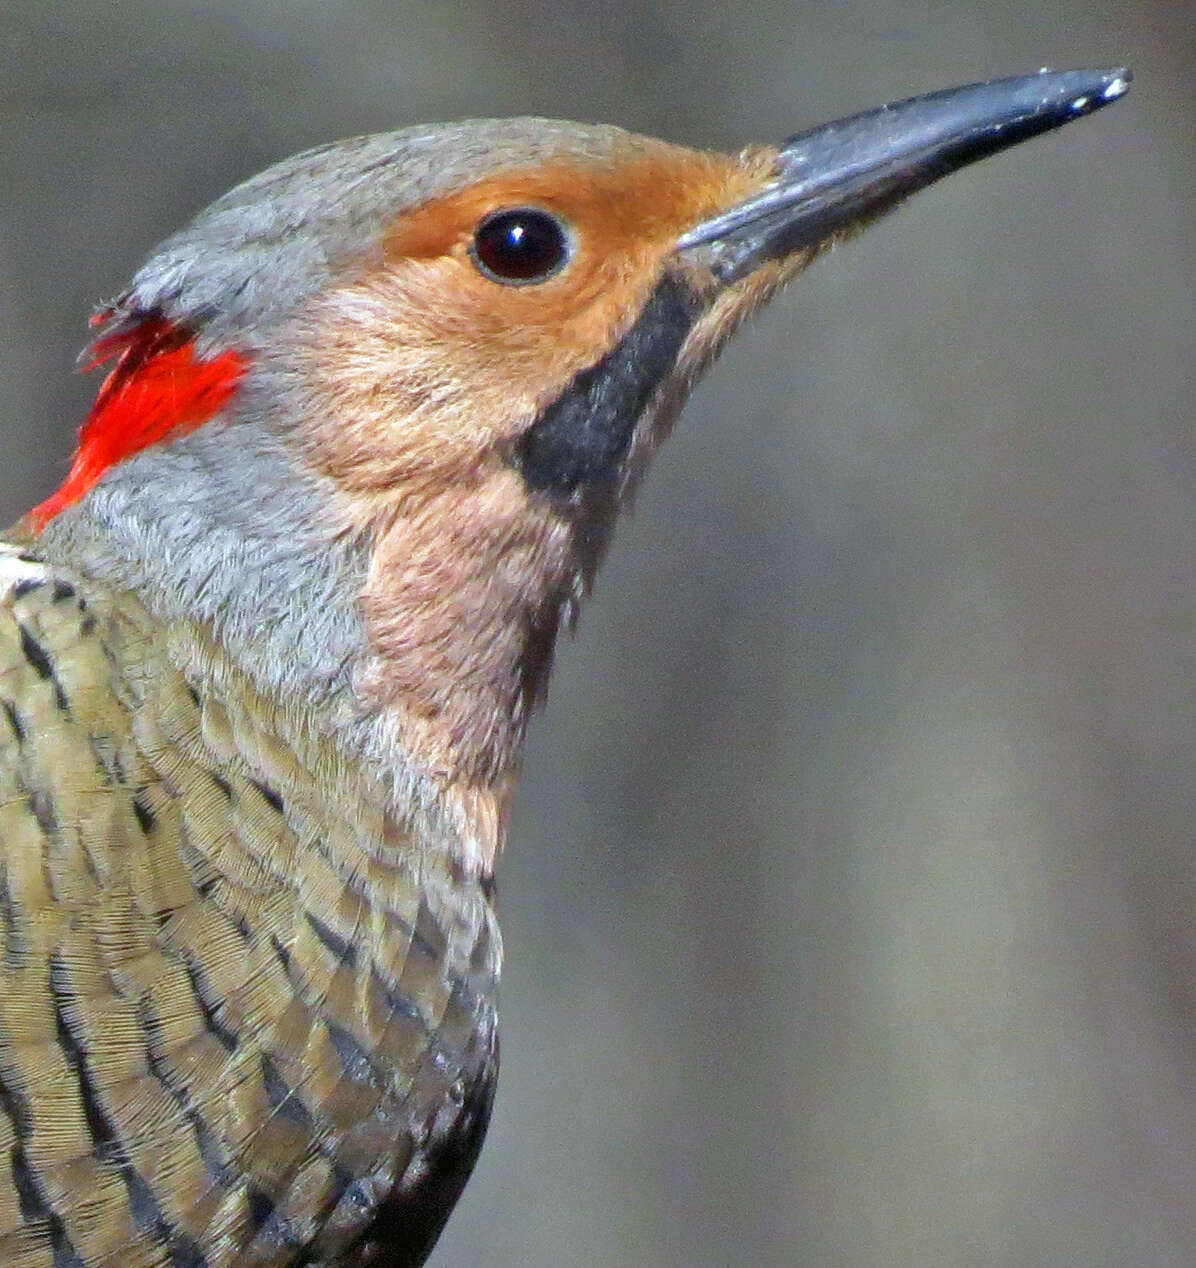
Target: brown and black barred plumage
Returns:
[231, 1010]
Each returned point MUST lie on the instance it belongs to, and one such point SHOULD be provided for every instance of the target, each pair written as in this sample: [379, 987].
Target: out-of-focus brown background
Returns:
[850, 900]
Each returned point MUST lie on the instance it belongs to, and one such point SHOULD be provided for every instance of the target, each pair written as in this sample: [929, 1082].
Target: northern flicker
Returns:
[268, 655]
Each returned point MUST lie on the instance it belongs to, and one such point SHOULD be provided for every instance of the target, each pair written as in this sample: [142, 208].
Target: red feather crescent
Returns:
[157, 390]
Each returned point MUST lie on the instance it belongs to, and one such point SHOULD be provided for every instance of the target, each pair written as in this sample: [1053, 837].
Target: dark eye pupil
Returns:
[521, 245]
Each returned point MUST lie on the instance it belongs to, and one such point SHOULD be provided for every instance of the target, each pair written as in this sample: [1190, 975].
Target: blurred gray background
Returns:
[850, 900]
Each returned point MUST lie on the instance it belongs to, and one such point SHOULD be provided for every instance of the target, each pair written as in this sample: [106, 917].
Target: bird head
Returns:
[373, 412]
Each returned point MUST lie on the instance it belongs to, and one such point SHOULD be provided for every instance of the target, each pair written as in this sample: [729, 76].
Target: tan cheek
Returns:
[420, 370]
[509, 350]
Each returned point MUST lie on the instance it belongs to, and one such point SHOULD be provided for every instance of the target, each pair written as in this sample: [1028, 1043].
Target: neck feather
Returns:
[467, 589]
[227, 534]
[418, 631]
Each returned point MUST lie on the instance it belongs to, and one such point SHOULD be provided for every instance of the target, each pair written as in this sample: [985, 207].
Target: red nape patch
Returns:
[156, 390]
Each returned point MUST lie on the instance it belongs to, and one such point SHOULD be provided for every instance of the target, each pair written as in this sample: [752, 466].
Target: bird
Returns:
[269, 653]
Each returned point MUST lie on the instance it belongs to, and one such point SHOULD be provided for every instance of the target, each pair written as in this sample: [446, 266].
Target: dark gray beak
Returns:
[850, 171]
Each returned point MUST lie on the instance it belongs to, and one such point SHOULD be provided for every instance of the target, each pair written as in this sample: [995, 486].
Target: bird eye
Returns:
[520, 246]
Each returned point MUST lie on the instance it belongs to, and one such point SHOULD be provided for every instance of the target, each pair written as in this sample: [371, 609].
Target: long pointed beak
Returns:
[847, 172]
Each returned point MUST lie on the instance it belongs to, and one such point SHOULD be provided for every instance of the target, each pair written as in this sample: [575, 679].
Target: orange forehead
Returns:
[623, 212]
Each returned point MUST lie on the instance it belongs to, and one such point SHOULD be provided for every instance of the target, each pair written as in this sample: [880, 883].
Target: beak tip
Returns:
[1108, 86]
[1118, 84]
